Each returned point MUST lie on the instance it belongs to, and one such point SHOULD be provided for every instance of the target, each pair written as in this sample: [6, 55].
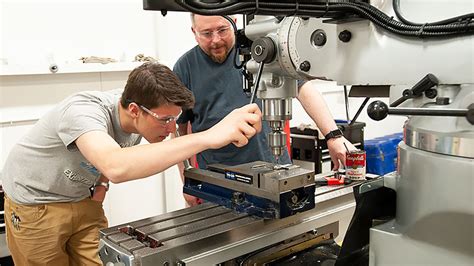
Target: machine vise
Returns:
[258, 188]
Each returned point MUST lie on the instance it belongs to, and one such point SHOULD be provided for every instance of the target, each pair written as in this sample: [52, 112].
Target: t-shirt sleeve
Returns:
[79, 118]
[301, 82]
[182, 72]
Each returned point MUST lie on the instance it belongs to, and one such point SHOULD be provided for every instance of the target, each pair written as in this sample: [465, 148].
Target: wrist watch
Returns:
[337, 133]
[103, 184]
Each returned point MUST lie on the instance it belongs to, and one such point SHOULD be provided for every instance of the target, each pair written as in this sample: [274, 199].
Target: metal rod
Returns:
[399, 101]
[259, 75]
[427, 111]
[346, 101]
[360, 110]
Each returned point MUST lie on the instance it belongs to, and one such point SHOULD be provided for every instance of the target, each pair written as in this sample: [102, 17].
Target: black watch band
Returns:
[337, 133]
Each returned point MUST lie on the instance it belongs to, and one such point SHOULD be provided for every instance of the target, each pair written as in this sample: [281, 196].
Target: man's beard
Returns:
[221, 57]
[218, 59]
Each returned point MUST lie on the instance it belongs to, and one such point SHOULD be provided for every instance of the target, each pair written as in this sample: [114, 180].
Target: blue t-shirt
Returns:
[217, 89]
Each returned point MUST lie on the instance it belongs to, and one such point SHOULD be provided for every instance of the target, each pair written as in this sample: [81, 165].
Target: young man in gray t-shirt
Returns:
[89, 139]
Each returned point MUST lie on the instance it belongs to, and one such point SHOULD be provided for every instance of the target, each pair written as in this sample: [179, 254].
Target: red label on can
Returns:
[355, 165]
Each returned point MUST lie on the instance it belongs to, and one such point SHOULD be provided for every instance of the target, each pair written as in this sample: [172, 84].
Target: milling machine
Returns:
[426, 67]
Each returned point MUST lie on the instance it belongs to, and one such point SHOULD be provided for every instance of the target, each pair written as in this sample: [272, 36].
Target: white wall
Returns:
[62, 31]
[35, 34]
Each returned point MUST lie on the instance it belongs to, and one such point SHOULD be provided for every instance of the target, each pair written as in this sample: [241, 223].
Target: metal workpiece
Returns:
[209, 240]
[258, 188]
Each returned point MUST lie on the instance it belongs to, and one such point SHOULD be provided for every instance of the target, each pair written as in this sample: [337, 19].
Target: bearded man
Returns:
[208, 71]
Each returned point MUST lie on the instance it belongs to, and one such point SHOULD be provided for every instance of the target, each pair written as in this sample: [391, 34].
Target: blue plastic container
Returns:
[382, 153]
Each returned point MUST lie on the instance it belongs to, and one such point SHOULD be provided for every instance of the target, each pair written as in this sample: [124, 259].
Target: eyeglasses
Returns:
[161, 120]
[221, 32]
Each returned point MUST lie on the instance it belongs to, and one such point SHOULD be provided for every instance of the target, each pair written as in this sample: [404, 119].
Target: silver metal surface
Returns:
[209, 234]
[347, 62]
[194, 245]
[445, 135]
[434, 217]
[276, 109]
[427, 192]
[277, 142]
[389, 246]
[449, 144]
[371, 185]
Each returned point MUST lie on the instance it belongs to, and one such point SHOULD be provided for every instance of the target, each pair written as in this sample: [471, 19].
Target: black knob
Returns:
[263, 50]
[377, 110]
[305, 66]
[345, 36]
[470, 113]
[319, 38]
[431, 93]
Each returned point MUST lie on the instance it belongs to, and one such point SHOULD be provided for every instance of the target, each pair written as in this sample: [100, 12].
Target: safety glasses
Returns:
[162, 120]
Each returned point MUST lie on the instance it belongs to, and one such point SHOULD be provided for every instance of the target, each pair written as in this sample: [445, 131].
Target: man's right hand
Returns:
[237, 127]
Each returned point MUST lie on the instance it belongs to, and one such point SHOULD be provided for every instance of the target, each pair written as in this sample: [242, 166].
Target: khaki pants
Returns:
[54, 234]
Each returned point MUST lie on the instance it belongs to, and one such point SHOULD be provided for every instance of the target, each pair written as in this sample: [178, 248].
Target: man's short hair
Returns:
[193, 21]
[153, 85]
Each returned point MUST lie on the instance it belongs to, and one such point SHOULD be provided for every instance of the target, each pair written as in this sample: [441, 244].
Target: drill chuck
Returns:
[277, 138]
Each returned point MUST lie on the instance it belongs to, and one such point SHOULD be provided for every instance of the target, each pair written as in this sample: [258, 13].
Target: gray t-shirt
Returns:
[46, 166]
[217, 89]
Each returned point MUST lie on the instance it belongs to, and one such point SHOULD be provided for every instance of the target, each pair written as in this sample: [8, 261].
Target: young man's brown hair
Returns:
[153, 85]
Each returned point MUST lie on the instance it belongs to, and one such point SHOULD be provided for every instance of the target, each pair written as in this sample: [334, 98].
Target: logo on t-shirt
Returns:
[126, 144]
[77, 178]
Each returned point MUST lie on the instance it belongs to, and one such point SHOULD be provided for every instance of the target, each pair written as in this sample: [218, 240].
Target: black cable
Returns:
[326, 11]
[232, 22]
[207, 4]
[234, 27]
[296, 8]
[399, 25]
[458, 26]
[396, 27]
